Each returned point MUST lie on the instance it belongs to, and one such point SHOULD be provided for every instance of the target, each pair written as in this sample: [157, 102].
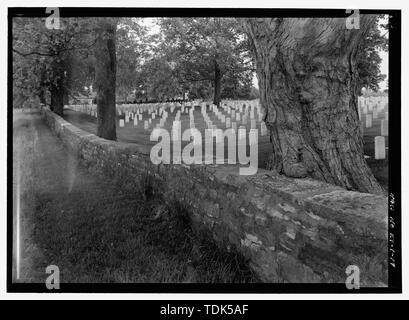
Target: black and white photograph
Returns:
[204, 150]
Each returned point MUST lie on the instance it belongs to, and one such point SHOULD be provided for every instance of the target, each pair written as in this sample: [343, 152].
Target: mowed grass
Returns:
[102, 239]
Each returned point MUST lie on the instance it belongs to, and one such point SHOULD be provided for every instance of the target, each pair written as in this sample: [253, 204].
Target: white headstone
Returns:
[135, 121]
[253, 137]
[384, 127]
[368, 121]
[146, 125]
[121, 123]
[228, 122]
[380, 148]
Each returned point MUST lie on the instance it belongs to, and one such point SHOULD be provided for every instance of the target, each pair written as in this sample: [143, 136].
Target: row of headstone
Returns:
[239, 111]
[373, 105]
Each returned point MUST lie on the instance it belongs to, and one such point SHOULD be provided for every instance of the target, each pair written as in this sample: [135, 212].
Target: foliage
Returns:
[132, 44]
[44, 58]
[195, 47]
[368, 59]
[180, 58]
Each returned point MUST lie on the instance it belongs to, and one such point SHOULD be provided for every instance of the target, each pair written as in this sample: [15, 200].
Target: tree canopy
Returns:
[205, 57]
[307, 88]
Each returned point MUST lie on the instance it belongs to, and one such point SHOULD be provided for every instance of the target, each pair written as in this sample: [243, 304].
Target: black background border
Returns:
[394, 274]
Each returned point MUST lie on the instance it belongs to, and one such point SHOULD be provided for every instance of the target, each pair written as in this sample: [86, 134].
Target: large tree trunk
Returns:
[57, 100]
[105, 77]
[217, 84]
[57, 85]
[307, 78]
[41, 95]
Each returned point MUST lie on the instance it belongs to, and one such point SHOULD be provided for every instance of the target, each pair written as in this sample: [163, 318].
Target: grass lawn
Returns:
[105, 239]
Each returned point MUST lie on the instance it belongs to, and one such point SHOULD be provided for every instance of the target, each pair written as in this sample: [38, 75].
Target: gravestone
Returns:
[384, 127]
[121, 123]
[253, 137]
[368, 121]
[380, 148]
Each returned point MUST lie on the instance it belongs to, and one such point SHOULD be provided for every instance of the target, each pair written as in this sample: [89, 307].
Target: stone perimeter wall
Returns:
[290, 230]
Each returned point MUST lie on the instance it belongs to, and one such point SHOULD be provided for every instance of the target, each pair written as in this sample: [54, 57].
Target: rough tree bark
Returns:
[41, 96]
[105, 77]
[57, 94]
[307, 77]
[217, 84]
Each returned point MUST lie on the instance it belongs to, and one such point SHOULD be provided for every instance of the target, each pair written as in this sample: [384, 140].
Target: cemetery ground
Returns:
[93, 231]
[131, 133]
